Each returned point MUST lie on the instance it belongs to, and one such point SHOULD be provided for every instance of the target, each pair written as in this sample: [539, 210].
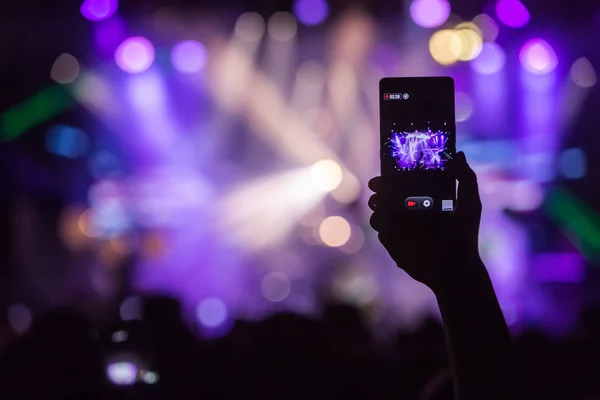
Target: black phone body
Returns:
[418, 143]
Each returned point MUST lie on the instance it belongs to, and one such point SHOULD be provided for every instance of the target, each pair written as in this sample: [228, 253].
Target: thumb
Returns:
[468, 189]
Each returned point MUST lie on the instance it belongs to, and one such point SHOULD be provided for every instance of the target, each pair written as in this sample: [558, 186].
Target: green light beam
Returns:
[570, 212]
[34, 111]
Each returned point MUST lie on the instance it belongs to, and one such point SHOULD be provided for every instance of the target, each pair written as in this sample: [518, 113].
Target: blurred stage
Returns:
[221, 155]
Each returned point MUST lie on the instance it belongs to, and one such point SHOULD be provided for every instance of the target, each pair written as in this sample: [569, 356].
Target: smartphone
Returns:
[418, 143]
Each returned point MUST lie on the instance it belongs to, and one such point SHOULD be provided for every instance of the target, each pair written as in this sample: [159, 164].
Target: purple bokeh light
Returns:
[491, 60]
[419, 149]
[135, 55]
[98, 10]
[122, 373]
[211, 312]
[538, 57]
[512, 13]
[189, 56]
[311, 12]
[429, 13]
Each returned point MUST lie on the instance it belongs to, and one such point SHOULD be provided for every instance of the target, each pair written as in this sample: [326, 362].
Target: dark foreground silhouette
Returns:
[470, 357]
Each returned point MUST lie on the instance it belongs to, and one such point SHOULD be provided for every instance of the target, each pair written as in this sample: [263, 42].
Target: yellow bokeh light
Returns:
[335, 231]
[326, 175]
[348, 191]
[470, 26]
[471, 43]
[446, 47]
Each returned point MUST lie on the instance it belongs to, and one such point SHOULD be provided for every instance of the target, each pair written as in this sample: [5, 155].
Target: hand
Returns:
[433, 249]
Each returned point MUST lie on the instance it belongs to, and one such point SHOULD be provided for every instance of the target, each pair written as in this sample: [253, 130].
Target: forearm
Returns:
[479, 341]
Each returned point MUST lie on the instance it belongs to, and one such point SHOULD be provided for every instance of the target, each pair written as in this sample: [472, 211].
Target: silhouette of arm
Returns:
[478, 339]
[448, 262]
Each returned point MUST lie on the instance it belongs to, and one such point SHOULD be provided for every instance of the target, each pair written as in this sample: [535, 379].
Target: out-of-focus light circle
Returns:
[311, 12]
[89, 224]
[67, 141]
[348, 191]
[97, 10]
[335, 231]
[583, 73]
[250, 26]
[282, 26]
[487, 26]
[150, 377]
[538, 57]
[445, 47]
[65, 69]
[122, 373]
[135, 55]
[356, 241]
[19, 318]
[526, 196]
[512, 13]
[211, 312]
[326, 175]
[464, 106]
[276, 286]
[68, 228]
[573, 164]
[189, 56]
[491, 60]
[119, 336]
[131, 308]
[471, 43]
[356, 288]
[468, 25]
[429, 13]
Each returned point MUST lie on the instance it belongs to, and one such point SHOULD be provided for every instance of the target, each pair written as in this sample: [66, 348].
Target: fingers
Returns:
[373, 202]
[375, 222]
[375, 184]
[468, 188]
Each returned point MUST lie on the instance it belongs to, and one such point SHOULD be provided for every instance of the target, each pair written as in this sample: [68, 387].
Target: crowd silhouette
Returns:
[65, 356]
[468, 355]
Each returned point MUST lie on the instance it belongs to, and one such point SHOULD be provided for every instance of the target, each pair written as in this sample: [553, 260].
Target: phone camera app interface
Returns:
[419, 149]
[418, 143]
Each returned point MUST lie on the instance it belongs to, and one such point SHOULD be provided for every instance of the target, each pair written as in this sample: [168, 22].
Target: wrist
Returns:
[465, 276]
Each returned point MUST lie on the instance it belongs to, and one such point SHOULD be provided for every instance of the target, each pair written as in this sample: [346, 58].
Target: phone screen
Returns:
[418, 143]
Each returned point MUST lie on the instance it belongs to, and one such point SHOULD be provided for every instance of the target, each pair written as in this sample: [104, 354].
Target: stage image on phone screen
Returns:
[418, 142]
